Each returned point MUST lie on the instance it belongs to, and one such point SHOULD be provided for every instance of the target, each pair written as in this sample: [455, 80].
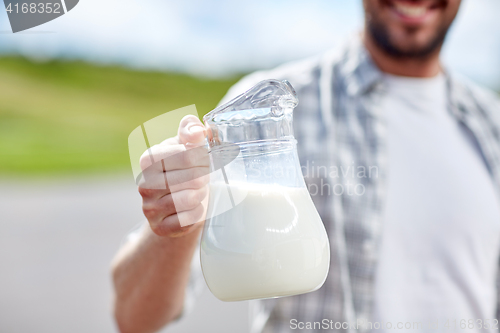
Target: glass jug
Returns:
[263, 237]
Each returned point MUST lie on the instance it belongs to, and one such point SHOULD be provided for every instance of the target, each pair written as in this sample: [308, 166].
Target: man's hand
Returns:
[174, 184]
[150, 274]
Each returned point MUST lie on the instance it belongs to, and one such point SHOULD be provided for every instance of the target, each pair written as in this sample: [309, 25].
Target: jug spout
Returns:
[290, 100]
[272, 94]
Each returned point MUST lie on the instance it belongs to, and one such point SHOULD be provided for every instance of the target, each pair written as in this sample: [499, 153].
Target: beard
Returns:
[381, 36]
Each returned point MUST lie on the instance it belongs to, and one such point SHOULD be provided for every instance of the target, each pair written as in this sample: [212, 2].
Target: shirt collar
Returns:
[358, 69]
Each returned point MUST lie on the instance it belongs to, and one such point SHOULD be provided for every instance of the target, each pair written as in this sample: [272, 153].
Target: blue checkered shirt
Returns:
[339, 122]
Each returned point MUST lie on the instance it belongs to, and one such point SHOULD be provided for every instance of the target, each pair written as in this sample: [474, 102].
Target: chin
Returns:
[406, 42]
[420, 45]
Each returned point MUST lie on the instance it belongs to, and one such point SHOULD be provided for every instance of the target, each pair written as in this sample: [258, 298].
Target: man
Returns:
[418, 249]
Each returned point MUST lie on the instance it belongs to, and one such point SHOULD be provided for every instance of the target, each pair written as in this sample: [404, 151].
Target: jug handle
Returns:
[223, 170]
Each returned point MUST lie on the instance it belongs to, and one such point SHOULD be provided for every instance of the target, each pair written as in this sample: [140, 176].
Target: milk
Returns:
[271, 244]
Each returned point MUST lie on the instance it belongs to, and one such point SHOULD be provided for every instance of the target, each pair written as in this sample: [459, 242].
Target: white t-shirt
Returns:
[441, 232]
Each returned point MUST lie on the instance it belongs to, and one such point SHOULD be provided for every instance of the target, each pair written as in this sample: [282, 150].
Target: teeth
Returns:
[411, 11]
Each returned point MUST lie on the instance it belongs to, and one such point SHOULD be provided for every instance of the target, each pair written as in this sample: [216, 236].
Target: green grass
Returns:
[74, 117]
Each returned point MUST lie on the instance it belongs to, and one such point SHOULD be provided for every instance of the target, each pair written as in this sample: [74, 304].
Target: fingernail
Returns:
[196, 129]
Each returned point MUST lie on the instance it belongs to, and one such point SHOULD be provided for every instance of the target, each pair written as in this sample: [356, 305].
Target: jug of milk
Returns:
[263, 237]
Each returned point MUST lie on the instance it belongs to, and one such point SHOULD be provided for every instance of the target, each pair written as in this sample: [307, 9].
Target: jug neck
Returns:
[260, 162]
[252, 130]
[255, 148]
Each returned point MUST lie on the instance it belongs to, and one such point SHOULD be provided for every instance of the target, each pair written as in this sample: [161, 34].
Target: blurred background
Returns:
[73, 89]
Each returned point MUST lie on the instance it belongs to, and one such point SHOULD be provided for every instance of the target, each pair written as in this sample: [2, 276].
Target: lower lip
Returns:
[414, 20]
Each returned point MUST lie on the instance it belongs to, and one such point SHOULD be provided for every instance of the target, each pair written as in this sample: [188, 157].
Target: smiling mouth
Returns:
[410, 11]
[415, 9]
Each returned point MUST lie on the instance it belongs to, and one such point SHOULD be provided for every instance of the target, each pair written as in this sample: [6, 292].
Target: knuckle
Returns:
[197, 182]
[190, 199]
[170, 207]
[189, 218]
[197, 213]
[188, 159]
[199, 177]
[175, 230]
[145, 192]
[172, 154]
[150, 210]
[158, 207]
[193, 173]
[201, 193]
[160, 229]
[145, 160]
[169, 226]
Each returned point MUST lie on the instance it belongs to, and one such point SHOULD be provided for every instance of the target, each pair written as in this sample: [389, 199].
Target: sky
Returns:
[221, 37]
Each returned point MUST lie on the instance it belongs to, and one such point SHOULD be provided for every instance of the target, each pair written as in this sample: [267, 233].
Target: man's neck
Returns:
[428, 67]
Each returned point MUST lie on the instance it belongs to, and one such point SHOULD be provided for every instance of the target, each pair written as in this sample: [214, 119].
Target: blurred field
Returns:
[66, 117]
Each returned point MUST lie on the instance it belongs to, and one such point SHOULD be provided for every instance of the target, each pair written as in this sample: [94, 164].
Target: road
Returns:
[57, 238]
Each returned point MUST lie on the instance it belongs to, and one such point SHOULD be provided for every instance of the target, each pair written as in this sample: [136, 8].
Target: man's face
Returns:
[409, 28]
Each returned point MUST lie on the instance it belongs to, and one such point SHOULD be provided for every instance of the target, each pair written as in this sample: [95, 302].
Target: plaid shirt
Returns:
[339, 122]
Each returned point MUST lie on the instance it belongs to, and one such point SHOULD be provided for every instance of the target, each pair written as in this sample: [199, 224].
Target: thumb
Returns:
[191, 130]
